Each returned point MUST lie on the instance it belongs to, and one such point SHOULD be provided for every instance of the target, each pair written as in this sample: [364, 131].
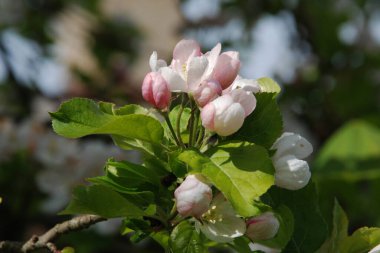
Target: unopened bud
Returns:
[226, 68]
[193, 196]
[155, 90]
[291, 173]
[262, 227]
[207, 92]
[292, 144]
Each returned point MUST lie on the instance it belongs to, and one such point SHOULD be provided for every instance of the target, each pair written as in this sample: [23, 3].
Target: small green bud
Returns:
[68, 250]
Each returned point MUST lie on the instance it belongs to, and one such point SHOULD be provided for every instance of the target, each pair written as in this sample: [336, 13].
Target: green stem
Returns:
[166, 116]
[201, 135]
[178, 126]
[195, 126]
[191, 123]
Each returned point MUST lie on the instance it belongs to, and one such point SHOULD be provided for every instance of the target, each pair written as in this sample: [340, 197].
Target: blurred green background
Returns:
[325, 54]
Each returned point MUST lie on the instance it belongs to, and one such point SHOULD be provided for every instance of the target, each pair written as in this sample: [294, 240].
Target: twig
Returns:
[45, 240]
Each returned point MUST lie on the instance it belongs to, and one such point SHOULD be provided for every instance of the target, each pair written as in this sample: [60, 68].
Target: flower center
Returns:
[212, 215]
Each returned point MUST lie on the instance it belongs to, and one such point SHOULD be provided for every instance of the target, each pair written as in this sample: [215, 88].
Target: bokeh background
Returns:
[325, 54]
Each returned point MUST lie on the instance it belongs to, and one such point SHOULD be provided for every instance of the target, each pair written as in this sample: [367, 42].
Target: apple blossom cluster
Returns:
[211, 80]
[223, 100]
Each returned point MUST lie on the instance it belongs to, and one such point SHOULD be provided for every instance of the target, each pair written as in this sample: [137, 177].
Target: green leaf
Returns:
[361, 241]
[269, 85]
[79, 117]
[264, 125]
[162, 238]
[310, 229]
[132, 175]
[285, 231]
[338, 233]
[140, 227]
[100, 200]
[178, 167]
[351, 154]
[185, 239]
[240, 244]
[242, 171]
[136, 196]
[185, 116]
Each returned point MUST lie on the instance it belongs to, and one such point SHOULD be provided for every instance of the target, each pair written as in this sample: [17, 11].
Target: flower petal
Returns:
[226, 68]
[220, 223]
[195, 70]
[246, 84]
[291, 173]
[154, 63]
[212, 57]
[263, 248]
[184, 49]
[246, 99]
[174, 80]
[230, 121]
[292, 144]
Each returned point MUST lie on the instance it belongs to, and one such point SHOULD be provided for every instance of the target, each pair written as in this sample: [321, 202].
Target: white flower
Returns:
[375, 250]
[292, 144]
[220, 223]
[291, 172]
[262, 227]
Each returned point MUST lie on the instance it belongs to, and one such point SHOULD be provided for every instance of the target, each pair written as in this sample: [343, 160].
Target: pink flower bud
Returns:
[206, 92]
[155, 90]
[193, 196]
[225, 115]
[262, 227]
[226, 68]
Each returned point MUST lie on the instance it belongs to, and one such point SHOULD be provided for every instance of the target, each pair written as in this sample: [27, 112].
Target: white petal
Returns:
[246, 84]
[263, 248]
[174, 80]
[195, 70]
[224, 231]
[154, 63]
[212, 58]
[291, 173]
[292, 144]
[246, 99]
[376, 249]
[230, 120]
[223, 225]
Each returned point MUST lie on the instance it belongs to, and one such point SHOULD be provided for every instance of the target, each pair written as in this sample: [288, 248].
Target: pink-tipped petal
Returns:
[207, 116]
[226, 68]
[184, 49]
[155, 90]
[207, 92]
